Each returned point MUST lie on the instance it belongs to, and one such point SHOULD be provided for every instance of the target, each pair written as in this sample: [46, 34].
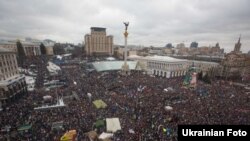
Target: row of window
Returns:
[171, 74]
[98, 34]
[10, 47]
[7, 56]
[5, 63]
[11, 61]
[11, 90]
[98, 47]
[7, 75]
[30, 51]
[8, 66]
[163, 65]
[204, 66]
[99, 40]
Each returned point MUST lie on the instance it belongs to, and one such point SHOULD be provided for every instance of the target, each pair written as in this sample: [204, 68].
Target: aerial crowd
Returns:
[138, 100]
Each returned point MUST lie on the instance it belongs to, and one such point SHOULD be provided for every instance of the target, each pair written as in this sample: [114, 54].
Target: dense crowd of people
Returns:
[138, 100]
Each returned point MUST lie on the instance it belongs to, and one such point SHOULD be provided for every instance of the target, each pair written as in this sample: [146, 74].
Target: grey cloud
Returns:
[152, 22]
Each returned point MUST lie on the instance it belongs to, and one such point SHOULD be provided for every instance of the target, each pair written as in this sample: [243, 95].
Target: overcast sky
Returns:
[152, 22]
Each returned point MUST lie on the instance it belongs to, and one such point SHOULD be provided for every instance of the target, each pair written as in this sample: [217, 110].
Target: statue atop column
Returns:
[126, 29]
[126, 25]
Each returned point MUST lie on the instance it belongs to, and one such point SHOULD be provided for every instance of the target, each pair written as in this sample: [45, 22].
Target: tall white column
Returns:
[125, 46]
[125, 66]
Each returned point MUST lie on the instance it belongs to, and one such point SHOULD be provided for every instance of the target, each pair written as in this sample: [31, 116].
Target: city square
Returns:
[94, 71]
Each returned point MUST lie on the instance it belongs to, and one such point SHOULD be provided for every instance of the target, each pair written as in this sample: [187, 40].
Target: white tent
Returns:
[113, 124]
[110, 58]
[131, 131]
[47, 97]
[53, 68]
[105, 135]
[89, 95]
[168, 108]
[170, 89]
[59, 57]
[30, 80]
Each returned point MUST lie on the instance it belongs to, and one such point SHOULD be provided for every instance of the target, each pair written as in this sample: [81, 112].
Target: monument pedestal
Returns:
[125, 69]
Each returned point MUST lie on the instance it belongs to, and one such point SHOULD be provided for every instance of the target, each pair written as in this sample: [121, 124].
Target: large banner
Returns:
[113, 124]
[191, 77]
[69, 136]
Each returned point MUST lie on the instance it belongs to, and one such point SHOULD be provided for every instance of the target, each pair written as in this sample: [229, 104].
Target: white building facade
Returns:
[12, 84]
[30, 48]
[169, 67]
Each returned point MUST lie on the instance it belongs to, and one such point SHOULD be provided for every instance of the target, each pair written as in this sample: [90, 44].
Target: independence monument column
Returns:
[125, 67]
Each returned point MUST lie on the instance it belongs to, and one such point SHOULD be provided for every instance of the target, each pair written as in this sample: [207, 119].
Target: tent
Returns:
[105, 135]
[24, 127]
[99, 123]
[170, 89]
[57, 125]
[168, 108]
[131, 131]
[89, 96]
[113, 124]
[99, 104]
[92, 135]
[47, 97]
[69, 136]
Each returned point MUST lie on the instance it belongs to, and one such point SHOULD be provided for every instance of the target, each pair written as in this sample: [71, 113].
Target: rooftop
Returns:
[98, 29]
[4, 50]
[167, 59]
[11, 79]
[30, 43]
[157, 58]
[112, 65]
[4, 42]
